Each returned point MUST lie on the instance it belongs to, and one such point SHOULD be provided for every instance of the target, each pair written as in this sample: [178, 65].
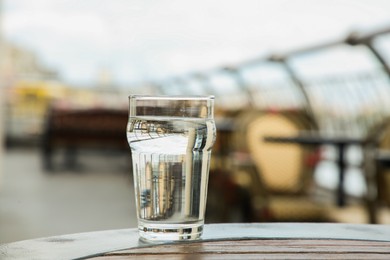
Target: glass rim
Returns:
[172, 97]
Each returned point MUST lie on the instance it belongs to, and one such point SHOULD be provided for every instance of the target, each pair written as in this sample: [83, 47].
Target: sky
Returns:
[135, 41]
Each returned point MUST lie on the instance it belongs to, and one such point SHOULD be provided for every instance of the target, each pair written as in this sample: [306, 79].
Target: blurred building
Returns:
[31, 88]
[27, 91]
[23, 64]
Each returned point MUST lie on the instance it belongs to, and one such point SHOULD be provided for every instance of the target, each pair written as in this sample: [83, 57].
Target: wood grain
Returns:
[260, 249]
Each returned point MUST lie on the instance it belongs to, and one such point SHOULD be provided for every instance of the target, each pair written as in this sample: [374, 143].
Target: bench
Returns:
[73, 130]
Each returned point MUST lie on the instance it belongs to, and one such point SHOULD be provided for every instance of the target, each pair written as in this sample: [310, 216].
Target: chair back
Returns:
[281, 167]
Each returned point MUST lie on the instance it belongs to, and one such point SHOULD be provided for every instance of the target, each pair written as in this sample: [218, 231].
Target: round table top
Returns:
[227, 241]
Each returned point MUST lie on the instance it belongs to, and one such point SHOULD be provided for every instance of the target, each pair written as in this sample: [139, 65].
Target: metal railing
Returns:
[350, 102]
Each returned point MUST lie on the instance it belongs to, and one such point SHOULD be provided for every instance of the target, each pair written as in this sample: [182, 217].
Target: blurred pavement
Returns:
[35, 204]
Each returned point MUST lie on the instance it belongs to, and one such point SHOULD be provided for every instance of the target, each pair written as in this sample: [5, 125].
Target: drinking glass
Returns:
[170, 138]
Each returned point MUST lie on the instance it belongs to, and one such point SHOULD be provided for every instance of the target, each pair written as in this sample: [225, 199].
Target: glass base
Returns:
[152, 232]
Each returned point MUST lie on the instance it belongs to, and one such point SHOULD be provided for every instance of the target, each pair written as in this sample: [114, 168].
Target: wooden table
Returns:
[341, 142]
[220, 241]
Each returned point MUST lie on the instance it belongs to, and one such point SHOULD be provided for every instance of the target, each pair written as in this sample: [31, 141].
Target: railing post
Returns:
[234, 72]
[299, 83]
[354, 39]
[204, 82]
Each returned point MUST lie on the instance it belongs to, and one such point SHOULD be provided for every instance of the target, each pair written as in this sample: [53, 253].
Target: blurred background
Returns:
[276, 68]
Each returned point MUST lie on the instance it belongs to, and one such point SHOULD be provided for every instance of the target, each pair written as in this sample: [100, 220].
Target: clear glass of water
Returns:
[171, 139]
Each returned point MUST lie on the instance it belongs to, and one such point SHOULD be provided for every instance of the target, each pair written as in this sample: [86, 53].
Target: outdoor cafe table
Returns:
[219, 241]
[341, 142]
